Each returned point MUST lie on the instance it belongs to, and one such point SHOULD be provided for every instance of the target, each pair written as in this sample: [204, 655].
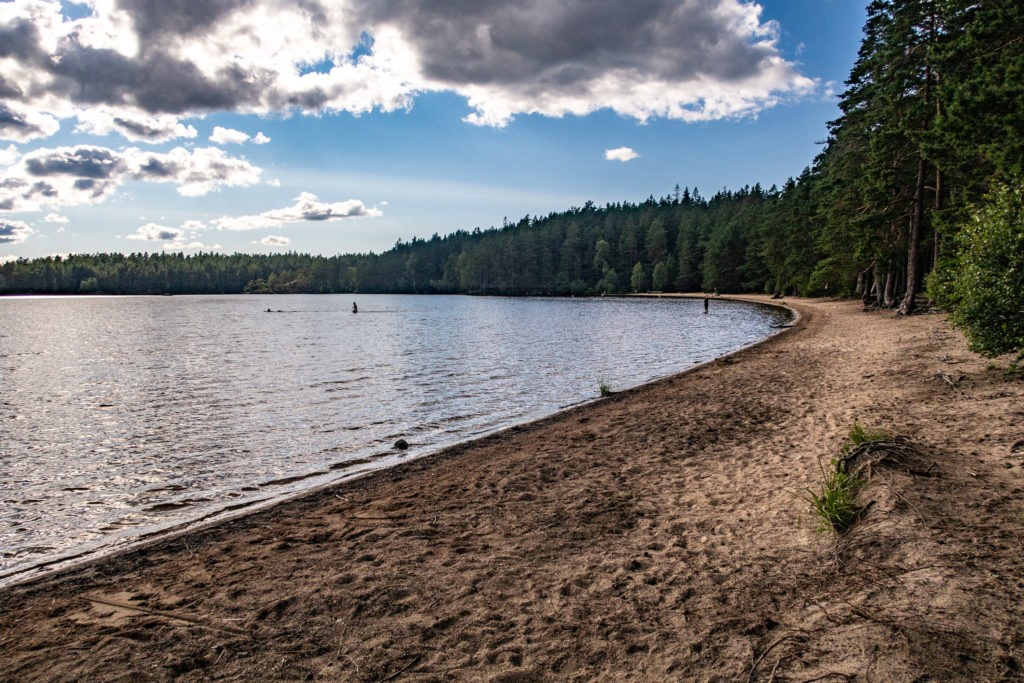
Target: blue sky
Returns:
[144, 125]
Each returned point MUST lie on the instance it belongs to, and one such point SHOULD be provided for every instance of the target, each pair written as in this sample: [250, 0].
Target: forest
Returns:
[917, 190]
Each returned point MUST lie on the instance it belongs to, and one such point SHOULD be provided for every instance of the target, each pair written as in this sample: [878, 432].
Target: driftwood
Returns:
[201, 622]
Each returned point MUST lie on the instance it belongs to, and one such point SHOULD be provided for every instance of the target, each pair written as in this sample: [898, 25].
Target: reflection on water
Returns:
[121, 416]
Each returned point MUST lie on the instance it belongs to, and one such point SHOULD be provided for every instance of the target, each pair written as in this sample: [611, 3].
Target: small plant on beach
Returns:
[605, 389]
[835, 502]
[859, 435]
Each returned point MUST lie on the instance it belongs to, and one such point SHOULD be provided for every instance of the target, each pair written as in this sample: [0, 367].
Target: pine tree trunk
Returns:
[935, 228]
[907, 307]
[879, 289]
[890, 283]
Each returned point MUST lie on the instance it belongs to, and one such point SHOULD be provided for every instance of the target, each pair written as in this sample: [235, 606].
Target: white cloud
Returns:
[55, 218]
[191, 246]
[144, 64]
[14, 232]
[135, 127]
[84, 174]
[307, 207]
[228, 136]
[8, 258]
[274, 241]
[274, 182]
[8, 156]
[157, 233]
[260, 139]
[23, 124]
[620, 154]
[174, 239]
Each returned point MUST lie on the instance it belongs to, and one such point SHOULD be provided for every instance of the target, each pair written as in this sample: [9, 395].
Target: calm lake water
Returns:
[124, 416]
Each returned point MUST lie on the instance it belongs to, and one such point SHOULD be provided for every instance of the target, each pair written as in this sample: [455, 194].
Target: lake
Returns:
[125, 416]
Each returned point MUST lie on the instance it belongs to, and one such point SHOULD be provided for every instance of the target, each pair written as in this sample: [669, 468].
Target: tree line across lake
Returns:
[918, 187]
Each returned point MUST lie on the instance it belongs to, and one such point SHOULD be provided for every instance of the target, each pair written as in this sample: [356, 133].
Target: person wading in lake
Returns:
[705, 304]
[355, 309]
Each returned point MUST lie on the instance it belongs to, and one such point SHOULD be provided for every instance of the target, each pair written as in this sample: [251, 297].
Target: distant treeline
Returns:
[682, 242]
[931, 122]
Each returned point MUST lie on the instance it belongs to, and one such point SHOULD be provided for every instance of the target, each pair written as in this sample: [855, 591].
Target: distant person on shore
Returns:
[705, 304]
[355, 309]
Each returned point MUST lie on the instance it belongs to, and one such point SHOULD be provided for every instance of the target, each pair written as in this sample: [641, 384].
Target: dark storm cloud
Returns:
[9, 90]
[565, 43]
[155, 81]
[20, 39]
[179, 17]
[691, 59]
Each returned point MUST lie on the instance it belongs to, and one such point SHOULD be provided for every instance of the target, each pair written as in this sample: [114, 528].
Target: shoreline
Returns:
[656, 533]
[99, 551]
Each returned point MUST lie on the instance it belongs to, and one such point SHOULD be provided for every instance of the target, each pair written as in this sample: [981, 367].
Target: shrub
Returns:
[983, 287]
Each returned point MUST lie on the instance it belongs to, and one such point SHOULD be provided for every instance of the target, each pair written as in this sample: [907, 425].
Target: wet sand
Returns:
[655, 535]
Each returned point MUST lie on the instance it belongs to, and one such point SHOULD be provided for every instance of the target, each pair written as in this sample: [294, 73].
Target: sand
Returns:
[655, 535]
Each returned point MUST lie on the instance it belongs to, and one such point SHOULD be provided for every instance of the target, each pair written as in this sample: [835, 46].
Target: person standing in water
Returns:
[355, 309]
[705, 304]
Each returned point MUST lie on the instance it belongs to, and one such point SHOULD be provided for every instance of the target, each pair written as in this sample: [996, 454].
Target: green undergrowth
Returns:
[859, 435]
[834, 503]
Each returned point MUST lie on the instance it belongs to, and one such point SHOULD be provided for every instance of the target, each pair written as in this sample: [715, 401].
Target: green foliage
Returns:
[859, 435]
[605, 389]
[638, 278]
[984, 286]
[834, 504]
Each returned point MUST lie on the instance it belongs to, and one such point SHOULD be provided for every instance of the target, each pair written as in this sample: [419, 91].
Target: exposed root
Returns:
[893, 451]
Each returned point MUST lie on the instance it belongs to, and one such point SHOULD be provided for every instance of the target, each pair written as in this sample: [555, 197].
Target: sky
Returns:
[343, 126]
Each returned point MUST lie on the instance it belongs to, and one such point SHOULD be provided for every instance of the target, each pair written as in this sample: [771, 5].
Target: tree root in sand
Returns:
[895, 451]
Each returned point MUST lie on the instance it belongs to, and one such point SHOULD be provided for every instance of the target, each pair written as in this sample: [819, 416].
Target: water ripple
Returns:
[126, 416]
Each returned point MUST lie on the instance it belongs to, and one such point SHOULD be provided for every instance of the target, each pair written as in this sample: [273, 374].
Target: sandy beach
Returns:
[658, 534]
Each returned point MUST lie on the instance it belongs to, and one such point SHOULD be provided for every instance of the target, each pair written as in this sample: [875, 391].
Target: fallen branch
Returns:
[768, 649]
[167, 615]
[400, 671]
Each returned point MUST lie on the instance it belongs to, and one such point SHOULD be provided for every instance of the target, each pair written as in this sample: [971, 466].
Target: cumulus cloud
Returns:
[8, 156]
[22, 125]
[274, 241]
[175, 239]
[228, 136]
[55, 218]
[84, 174]
[620, 154]
[274, 182]
[13, 232]
[260, 139]
[307, 207]
[135, 127]
[140, 60]
[8, 258]
[154, 232]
